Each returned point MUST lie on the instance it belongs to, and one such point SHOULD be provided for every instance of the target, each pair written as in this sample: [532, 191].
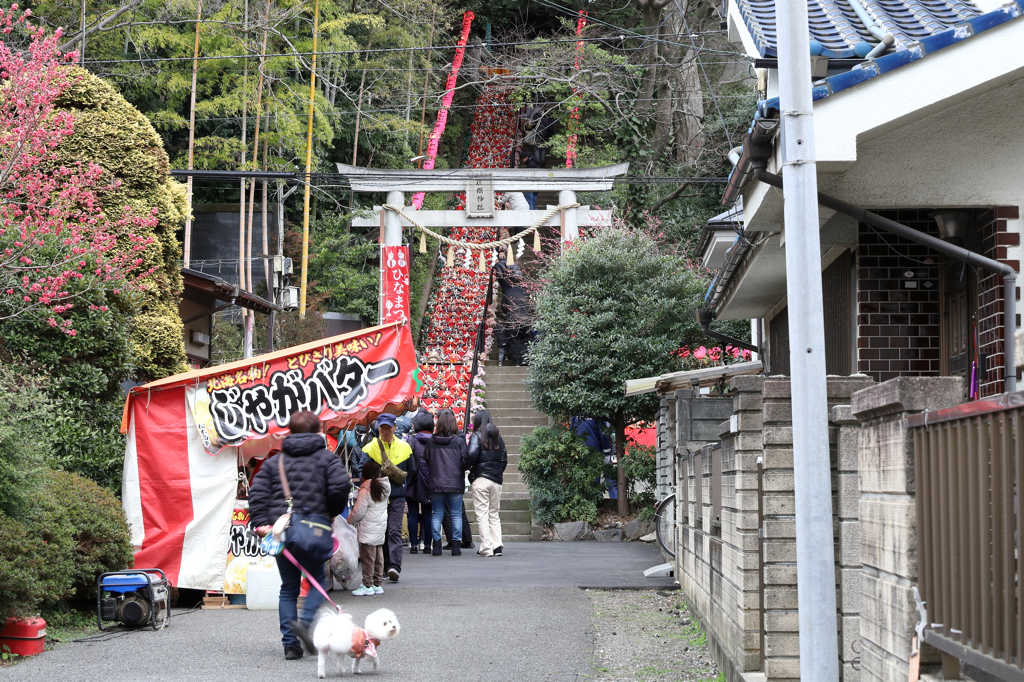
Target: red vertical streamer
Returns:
[574, 115]
[446, 103]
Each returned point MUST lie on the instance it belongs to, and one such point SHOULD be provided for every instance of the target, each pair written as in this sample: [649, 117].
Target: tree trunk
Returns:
[619, 425]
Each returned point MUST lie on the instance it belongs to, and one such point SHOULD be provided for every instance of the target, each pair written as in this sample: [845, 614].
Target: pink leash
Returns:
[312, 581]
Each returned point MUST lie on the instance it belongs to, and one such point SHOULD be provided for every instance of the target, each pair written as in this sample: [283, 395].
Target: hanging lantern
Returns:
[423, 241]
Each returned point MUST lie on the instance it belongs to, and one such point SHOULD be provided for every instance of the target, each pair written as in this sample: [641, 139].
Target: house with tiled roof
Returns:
[919, 144]
[918, 118]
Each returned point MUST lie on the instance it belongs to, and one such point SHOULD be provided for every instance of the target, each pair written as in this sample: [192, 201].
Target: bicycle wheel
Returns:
[665, 525]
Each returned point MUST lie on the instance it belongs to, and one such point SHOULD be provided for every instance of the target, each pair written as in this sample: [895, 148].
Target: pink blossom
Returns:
[700, 353]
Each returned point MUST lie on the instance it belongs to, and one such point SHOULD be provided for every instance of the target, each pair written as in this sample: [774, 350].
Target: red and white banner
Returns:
[394, 284]
[187, 434]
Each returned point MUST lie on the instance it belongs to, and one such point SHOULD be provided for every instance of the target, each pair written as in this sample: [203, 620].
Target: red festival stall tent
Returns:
[188, 434]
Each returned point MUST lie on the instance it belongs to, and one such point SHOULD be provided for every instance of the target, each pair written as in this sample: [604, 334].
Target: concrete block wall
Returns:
[666, 450]
[847, 511]
[888, 517]
[718, 565]
[782, 651]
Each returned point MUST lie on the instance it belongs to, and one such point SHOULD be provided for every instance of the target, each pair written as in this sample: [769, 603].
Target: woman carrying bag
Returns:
[444, 456]
[317, 485]
[487, 460]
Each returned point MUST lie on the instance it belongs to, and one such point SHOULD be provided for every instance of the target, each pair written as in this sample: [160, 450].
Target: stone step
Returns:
[500, 391]
[504, 404]
[514, 487]
[509, 412]
[518, 430]
[510, 370]
[507, 517]
[505, 538]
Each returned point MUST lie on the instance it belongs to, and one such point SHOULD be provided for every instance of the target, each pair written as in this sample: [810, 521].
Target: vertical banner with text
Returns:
[394, 284]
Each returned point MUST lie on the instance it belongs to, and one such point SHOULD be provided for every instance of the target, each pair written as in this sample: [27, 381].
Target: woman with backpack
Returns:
[487, 460]
[444, 455]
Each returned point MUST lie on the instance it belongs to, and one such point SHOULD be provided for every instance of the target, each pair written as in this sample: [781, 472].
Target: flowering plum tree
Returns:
[57, 244]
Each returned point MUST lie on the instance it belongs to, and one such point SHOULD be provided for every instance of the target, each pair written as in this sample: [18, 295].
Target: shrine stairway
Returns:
[457, 296]
[453, 311]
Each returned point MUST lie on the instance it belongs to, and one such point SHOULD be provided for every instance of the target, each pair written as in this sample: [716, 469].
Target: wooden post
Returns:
[309, 165]
[192, 142]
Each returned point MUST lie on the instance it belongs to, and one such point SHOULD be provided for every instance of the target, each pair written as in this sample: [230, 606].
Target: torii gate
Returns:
[480, 185]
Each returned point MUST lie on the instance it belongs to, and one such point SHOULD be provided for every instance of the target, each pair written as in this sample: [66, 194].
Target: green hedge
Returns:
[72, 531]
[641, 468]
[563, 474]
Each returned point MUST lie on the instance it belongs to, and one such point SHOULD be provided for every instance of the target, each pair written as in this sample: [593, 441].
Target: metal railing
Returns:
[968, 476]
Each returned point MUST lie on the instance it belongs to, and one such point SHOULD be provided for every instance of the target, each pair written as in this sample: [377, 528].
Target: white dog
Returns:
[336, 633]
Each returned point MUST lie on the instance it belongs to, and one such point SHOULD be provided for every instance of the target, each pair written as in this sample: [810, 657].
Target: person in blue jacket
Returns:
[595, 435]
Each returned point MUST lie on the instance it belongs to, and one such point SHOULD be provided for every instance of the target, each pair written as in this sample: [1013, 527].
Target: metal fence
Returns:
[968, 476]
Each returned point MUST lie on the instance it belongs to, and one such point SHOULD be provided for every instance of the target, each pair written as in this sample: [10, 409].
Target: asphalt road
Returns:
[518, 617]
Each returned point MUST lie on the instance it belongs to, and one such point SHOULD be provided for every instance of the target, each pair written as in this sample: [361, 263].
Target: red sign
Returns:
[394, 284]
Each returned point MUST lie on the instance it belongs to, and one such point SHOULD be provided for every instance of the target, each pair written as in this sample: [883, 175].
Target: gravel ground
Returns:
[646, 635]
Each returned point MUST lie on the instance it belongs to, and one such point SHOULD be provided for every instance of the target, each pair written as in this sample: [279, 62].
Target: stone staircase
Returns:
[509, 405]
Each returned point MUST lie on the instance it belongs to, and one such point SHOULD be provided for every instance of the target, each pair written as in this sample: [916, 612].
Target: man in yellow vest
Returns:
[398, 453]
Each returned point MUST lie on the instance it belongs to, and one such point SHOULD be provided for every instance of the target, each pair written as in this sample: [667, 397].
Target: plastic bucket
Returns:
[262, 587]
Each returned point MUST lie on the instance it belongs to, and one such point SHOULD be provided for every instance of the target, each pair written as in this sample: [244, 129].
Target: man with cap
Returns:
[399, 453]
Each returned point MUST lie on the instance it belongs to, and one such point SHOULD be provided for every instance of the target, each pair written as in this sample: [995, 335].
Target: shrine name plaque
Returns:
[480, 198]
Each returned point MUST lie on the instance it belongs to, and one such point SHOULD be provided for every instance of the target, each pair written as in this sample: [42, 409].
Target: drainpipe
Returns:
[875, 220]
[704, 319]
[885, 40]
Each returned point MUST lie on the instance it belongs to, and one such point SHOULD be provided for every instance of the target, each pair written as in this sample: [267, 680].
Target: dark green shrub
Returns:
[27, 417]
[563, 475]
[101, 538]
[71, 531]
[36, 558]
[641, 467]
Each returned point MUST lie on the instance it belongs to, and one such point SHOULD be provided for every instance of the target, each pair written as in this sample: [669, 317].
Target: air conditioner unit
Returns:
[198, 338]
[290, 298]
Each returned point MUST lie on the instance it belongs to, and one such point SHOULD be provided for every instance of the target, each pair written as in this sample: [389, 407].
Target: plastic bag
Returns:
[345, 561]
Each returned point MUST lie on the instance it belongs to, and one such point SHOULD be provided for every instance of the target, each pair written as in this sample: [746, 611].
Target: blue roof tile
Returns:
[835, 25]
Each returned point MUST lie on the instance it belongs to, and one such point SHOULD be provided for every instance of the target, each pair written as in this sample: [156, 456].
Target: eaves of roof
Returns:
[915, 51]
[224, 291]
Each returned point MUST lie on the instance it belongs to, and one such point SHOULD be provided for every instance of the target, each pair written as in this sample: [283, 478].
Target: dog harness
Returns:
[362, 644]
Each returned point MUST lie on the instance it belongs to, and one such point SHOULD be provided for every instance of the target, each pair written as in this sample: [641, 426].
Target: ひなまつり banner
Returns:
[342, 379]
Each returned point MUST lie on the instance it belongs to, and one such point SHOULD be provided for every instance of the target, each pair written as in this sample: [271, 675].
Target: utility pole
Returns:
[812, 480]
[192, 141]
[309, 166]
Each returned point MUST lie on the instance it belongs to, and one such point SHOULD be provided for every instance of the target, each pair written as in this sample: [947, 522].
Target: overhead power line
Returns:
[144, 60]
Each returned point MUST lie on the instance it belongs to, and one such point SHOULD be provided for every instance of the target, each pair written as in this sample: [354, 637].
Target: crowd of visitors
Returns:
[412, 467]
[427, 461]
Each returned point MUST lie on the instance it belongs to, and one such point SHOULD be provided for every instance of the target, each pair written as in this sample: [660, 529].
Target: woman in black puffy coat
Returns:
[444, 456]
[417, 496]
[487, 459]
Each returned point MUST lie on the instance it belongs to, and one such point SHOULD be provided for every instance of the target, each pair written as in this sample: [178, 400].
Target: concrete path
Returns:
[517, 617]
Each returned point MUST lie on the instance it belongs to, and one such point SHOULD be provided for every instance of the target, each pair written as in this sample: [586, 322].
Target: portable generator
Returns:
[134, 598]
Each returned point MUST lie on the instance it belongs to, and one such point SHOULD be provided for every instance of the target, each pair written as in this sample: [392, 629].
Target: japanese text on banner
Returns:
[394, 264]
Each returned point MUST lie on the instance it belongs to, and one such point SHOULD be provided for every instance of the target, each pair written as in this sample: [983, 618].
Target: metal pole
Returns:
[309, 165]
[812, 480]
[192, 141]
